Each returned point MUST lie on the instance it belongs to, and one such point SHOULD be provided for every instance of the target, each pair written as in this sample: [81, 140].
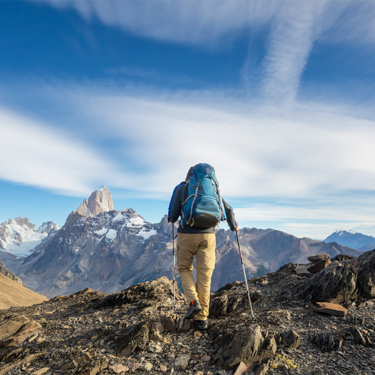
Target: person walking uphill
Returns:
[199, 203]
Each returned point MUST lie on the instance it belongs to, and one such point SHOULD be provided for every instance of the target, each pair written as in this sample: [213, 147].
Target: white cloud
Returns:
[309, 154]
[206, 22]
[256, 152]
[34, 154]
[312, 151]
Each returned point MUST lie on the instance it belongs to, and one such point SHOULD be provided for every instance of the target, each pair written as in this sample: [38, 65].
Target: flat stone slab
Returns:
[331, 309]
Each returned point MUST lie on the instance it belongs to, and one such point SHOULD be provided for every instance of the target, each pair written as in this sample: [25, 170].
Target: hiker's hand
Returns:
[237, 227]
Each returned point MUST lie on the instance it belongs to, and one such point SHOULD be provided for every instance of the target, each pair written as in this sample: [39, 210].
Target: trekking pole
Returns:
[244, 273]
[174, 273]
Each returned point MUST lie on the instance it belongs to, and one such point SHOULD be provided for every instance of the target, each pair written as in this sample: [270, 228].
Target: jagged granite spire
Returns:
[99, 201]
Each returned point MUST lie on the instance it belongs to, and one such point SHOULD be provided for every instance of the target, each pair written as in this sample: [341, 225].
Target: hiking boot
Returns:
[194, 309]
[202, 325]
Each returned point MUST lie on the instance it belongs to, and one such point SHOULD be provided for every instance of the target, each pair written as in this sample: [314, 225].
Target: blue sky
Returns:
[277, 95]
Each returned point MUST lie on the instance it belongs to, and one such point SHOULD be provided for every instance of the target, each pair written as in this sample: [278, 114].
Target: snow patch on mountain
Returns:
[109, 225]
[111, 234]
[101, 231]
[145, 233]
[344, 232]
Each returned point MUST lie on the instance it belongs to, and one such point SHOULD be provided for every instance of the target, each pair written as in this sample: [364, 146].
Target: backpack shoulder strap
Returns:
[172, 198]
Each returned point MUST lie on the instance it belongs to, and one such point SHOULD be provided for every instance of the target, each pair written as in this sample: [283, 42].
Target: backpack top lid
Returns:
[203, 169]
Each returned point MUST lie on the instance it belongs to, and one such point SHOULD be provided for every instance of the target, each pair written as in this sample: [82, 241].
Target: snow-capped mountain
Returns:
[110, 250]
[19, 236]
[352, 239]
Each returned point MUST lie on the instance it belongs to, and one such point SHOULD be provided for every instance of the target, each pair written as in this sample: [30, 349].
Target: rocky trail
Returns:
[137, 331]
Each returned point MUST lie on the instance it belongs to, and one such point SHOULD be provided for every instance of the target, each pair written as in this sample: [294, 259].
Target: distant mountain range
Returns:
[352, 239]
[109, 250]
[19, 237]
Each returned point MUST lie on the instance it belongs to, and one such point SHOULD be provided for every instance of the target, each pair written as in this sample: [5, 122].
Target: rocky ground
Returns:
[137, 330]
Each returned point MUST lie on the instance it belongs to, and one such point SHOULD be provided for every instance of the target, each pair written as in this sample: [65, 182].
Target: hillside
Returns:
[4, 271]
[14, 294]
[136, 330]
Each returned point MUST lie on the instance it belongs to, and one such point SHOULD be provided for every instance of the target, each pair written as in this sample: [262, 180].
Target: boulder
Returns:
[22, 334]
[341, 258]
[11, 326]
[316, 258]
[169, 324]
[291, 339]
[156, 291]
[182, 362]
[247, 346]
[318, 266]
[135, 339]
[327, 342]
[342, 281]
[219, 305]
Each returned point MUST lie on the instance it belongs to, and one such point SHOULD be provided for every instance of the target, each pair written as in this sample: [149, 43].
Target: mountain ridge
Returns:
[19, 236]
[138, 329]
[352, 239]
[116, 249]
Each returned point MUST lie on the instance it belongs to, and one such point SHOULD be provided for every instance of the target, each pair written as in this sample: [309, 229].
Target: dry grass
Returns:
[14, 294]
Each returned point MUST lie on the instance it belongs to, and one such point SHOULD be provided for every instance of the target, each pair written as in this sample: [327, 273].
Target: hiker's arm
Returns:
[233, 225]
[176, 204]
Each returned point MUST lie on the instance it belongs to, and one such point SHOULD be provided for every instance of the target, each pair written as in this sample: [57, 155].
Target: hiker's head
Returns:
[189, 174]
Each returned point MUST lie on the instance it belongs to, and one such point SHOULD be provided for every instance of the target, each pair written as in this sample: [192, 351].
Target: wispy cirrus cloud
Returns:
[291, 39]
[291, 27]
[205, 22]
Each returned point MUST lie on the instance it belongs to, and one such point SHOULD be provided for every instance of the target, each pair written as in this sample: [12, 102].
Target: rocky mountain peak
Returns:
[98, 202]
[47, 227]
[22, 221]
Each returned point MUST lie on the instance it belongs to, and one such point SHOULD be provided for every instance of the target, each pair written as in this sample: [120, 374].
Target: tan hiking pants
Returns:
[202, 245]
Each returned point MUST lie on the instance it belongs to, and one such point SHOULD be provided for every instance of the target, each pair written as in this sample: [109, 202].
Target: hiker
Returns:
[197, 200]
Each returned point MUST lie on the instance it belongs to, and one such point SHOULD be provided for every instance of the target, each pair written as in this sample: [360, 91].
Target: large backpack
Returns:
[203, 206]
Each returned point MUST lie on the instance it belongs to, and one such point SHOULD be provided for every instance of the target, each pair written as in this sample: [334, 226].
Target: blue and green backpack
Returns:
[203, 206]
